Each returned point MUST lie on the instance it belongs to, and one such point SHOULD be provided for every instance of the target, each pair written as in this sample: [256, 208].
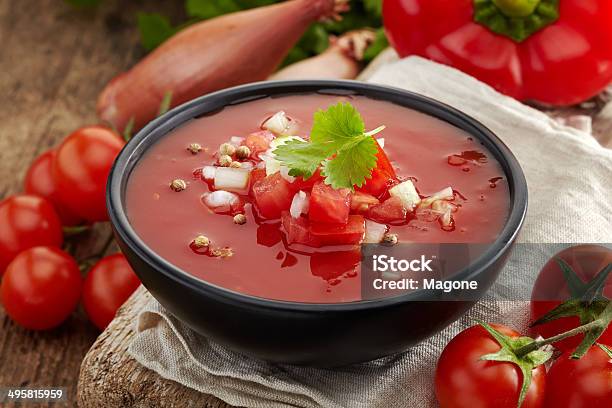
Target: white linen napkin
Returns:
[570, 200]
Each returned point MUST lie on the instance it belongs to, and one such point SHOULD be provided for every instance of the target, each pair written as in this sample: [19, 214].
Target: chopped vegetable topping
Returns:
[299, 205]
[279, 124]
[329, 205]
[407, 193]
[445, 194]
[221, 201]
[272, 195]
[374, 232]
[389, 211]
[232, 179]
[338, 143]
[361, 202]
[208, 172]
[352, 232]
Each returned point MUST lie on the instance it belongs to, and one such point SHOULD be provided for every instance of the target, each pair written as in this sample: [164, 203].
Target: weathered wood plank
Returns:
[111, 378]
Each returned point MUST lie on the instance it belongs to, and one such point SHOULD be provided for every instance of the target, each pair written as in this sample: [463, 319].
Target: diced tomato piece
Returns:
[258, 142]
[298, 231]
[272, 196]
[361, 202]
[256, 175]
[334, 234]
[383, 176]
[389, 210]
[306, 185]
[329, 205]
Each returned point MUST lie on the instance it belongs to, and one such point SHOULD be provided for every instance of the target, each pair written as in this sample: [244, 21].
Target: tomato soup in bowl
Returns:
[244, 213]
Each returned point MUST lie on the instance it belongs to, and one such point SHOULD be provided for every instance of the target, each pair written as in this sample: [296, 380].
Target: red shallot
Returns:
[229, 50]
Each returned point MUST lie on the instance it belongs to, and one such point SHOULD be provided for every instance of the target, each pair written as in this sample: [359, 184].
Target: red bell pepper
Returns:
[557, 52]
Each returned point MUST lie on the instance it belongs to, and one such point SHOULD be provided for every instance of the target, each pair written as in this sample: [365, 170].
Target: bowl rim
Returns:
[212, 102]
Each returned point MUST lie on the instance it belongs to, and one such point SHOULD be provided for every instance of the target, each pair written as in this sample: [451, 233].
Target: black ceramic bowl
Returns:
[306, 333]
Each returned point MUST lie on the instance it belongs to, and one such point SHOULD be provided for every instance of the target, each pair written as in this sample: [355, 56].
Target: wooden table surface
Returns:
[53, 62]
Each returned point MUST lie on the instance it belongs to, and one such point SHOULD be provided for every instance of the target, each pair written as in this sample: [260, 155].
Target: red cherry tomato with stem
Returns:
[109, 283]
[81, 167]
[583, 383]
[464, 380]
[41, 288]
[27, 221]
[551, 289]
[39, 181]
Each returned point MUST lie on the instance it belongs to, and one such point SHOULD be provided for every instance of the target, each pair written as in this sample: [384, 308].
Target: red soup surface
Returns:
[280, 254]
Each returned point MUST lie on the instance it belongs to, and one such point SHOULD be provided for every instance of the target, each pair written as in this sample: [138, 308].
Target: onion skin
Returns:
[222, 52]
[342, 60]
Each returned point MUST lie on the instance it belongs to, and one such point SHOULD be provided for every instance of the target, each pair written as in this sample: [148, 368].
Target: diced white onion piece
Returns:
[446, 209]
[272, 165]
[208, 172]
[247, 165]
[220, 200]
[278, 123]
[236, 140]
[299, 205]
[261, 165]
[284, 171]
[374, 232]
[381, 142]
[445, 194]
[231, 179]
[407, 193]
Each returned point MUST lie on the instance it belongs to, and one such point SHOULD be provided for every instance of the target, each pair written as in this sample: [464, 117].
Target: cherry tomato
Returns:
[41, 287]
[27, 221]
[80, 168]
[584, 383]
[463, 380]
[108, 285]
[551, 289]
[39, 181]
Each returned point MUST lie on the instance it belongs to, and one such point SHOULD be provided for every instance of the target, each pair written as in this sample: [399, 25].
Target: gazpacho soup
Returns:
[273, 197]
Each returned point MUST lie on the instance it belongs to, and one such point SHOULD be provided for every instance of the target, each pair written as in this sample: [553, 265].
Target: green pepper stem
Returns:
[536, 344]
[516, 19]
[517, 8]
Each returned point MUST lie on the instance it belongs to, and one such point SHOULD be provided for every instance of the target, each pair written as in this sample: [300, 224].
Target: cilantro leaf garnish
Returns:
[302, 158]
[338, 143]
[352, 164]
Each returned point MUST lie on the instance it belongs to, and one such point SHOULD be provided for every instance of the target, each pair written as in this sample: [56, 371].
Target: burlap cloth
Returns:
[569, 178]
